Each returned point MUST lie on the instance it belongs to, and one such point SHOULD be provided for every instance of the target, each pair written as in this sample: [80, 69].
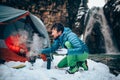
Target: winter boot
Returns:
[72, 70]
[83, 64]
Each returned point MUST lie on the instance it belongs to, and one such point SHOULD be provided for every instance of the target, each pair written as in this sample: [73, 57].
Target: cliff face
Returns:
[100, 27]
[112, 13]
[99, 33]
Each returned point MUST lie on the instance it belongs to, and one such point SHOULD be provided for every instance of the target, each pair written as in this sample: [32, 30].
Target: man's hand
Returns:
[62, 51]
[43, 57]
[22, 51]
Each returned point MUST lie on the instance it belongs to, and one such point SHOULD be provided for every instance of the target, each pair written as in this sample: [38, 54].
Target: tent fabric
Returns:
[8, 13]
[15, 19]
[11, 20]
[8, 55]
[42, 30]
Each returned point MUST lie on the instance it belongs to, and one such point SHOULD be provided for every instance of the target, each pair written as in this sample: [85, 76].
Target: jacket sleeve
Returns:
[52, 49]
[10, 45]
[77, 44]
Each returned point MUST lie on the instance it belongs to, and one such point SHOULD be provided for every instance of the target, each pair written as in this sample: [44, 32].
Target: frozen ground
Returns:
[97, 71]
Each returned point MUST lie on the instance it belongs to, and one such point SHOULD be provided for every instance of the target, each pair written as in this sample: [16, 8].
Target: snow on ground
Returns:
[97, 71]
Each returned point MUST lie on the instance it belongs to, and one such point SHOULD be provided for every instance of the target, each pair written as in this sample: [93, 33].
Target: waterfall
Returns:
[107, 33]
[97, 15]
[89, 27]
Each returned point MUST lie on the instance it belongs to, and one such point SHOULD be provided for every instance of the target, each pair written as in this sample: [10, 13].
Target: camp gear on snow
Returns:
[19, 66]
[49, 59]
[61, 51]
[32, 59]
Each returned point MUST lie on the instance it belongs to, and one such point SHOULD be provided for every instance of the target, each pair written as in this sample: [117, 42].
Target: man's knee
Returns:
[68, 44]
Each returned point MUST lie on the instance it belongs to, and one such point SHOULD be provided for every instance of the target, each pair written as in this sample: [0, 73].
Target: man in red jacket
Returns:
[16, 43]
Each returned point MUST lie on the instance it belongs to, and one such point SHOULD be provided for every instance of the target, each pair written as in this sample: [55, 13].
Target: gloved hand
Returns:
[62, 51]
[43, 57]
[22, 51]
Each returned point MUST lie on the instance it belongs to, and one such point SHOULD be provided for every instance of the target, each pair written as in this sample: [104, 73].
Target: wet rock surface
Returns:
[112, 61]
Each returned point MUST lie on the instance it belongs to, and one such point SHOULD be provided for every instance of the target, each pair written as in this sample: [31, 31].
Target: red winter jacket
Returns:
[11, 54]
[12, 43]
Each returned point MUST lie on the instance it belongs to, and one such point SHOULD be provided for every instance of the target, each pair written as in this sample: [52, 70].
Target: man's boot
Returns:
[73, 69]
[83, 64]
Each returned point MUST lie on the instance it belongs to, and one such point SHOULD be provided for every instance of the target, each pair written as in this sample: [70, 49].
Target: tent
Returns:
[11, 20]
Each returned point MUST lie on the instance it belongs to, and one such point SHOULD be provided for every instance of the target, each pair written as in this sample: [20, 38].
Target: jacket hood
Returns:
[66, 30]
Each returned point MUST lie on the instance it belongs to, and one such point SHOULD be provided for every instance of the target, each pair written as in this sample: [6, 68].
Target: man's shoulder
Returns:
[71, 34]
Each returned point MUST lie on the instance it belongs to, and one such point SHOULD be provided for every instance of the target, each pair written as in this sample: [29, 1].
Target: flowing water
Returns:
[97, 15]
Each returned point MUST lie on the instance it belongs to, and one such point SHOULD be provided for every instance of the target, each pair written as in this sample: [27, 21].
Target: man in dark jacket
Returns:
[67, 42]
